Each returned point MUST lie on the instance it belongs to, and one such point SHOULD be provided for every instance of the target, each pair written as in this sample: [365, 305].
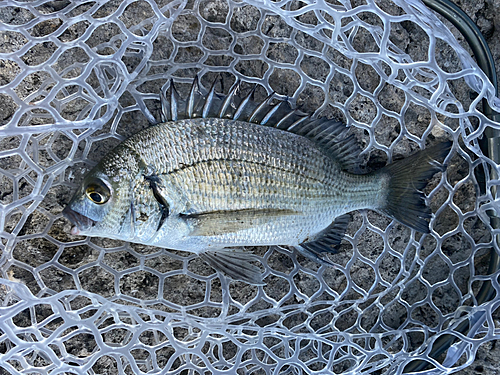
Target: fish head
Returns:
[102, 203]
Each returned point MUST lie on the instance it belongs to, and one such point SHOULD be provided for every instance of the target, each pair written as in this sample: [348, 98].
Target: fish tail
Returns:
[406, 179]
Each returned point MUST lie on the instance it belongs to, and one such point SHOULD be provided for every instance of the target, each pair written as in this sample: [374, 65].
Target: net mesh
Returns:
[77, 78]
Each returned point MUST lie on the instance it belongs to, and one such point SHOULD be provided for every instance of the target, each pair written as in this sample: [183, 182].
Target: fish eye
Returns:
[98, 193]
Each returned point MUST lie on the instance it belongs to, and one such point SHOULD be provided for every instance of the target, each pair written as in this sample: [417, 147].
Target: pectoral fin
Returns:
[235, 263]
[221, 222]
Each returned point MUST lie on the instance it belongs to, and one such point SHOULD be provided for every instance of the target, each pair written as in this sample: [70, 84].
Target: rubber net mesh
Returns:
[77, 78]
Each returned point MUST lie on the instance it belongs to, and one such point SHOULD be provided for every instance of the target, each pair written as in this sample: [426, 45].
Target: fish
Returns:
[219, 173]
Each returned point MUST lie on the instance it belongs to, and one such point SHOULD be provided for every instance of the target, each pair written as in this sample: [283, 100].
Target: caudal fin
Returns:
[407, 178]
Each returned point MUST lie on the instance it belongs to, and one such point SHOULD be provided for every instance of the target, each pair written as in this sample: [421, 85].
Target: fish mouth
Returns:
[80, 222]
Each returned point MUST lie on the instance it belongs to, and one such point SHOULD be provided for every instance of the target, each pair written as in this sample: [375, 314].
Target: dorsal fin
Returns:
[332, 136]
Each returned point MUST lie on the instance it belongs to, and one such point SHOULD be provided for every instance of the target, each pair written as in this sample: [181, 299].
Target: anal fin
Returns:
[326, 241]
[234, 263]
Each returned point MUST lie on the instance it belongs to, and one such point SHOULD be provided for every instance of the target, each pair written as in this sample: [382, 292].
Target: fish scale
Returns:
[287, 158]
[312, 215]
[281, 172]
[178, 144]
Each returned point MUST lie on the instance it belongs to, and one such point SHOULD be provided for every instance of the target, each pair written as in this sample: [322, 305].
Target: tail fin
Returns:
[405, 200]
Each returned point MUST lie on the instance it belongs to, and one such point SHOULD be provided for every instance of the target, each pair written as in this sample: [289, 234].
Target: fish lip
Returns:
[80, 222]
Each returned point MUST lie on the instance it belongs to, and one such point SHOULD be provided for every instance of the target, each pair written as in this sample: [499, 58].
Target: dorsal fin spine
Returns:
[173, 100]
[269, 114]
[244, 103]
[298, 122]
[290, 118]
[210, 98]
[256, 111]
[229, 98]
[164, 107]
[192, 95]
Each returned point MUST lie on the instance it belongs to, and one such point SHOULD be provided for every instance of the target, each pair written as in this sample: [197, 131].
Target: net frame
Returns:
[31, 344]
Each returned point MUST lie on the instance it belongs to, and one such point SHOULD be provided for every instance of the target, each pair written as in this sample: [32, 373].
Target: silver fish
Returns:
[223, 172]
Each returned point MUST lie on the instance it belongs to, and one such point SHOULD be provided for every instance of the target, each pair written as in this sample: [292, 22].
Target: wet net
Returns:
[79, 77]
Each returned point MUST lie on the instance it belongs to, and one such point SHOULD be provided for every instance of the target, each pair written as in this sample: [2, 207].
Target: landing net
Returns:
[79, 77]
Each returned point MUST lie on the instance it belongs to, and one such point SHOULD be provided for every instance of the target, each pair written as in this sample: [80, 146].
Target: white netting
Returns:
[76, 78]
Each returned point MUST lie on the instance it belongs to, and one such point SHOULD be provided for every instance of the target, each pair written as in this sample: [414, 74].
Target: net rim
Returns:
[38, 129]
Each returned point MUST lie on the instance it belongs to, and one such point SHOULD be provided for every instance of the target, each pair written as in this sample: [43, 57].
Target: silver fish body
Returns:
[243, 184]
[206, 185]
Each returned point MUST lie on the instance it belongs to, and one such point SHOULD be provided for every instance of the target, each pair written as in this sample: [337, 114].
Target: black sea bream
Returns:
[237, 173]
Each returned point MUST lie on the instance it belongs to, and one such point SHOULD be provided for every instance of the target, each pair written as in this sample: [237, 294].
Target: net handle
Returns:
[489, 144]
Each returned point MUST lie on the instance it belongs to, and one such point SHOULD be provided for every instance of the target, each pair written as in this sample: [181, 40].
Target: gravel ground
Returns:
[35, 250]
